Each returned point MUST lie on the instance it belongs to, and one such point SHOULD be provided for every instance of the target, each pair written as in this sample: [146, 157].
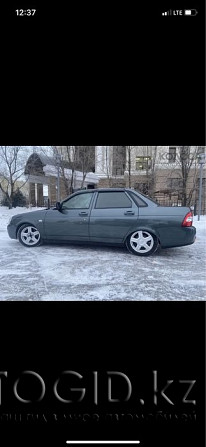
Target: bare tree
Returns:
[12, 163]
[129, 163]
[119, 160]
[186, 170]
[103, 163]
[111, 163]
[108, 166]
[76, 158]
[152, 174]
[71, 157]
[69, 151]
[86, 160]
[186, 160]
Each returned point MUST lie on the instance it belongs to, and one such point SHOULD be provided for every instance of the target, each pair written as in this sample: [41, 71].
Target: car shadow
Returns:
[160, 253]
[84, 247]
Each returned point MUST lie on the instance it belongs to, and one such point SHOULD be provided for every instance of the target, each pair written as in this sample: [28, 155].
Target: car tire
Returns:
[142, 243]
[29, 236]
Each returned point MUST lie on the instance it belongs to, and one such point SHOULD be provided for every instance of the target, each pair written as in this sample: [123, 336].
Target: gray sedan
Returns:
[107, 216]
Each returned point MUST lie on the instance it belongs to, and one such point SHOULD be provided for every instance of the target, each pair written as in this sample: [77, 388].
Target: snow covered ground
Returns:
[68, 272]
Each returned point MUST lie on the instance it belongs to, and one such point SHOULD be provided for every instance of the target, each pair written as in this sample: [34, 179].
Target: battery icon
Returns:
[190, 12]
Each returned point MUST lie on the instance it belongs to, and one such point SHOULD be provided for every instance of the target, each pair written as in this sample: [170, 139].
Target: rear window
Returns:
[113, 200]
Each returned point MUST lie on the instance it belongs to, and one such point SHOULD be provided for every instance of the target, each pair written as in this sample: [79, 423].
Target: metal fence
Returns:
[42, 204]
[166, 202]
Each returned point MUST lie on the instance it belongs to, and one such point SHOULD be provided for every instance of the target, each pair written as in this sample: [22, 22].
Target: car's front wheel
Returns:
[142, 243]
[29, 236]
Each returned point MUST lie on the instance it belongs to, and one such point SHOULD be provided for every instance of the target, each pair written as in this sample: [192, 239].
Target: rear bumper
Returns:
[184, 236]
[190, 235]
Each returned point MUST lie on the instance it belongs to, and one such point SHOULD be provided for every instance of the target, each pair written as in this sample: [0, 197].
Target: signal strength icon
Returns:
[180, 12]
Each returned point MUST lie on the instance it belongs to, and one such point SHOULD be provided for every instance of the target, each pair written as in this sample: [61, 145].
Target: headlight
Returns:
[10, 220]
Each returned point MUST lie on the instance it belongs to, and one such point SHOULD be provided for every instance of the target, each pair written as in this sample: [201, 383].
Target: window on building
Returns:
[143, 163]
[172, 154]
[175, 183]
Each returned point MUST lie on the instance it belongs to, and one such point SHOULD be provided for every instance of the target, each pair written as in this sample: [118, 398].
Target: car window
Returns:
[78, 202]
[137, 200]
[147, 197]
[113, 200]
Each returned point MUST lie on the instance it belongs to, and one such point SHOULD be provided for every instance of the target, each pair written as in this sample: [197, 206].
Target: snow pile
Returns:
[200, 225]
[53, 170]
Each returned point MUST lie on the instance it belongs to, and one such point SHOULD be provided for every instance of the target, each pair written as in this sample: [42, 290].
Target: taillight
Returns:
[187, 222]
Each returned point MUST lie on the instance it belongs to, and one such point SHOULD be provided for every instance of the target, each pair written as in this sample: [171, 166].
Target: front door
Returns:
[72, 222]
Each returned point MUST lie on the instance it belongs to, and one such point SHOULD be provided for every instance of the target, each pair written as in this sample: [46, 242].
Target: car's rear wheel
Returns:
[29, 236]
[142, 243]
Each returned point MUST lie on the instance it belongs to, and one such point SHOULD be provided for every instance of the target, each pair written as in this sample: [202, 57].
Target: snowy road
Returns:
[68, 272]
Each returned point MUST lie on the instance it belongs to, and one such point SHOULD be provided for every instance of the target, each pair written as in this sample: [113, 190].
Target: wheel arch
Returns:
[143, 228]
[28, 223]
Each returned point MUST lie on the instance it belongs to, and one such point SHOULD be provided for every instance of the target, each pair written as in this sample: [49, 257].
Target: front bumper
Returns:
[11, 229]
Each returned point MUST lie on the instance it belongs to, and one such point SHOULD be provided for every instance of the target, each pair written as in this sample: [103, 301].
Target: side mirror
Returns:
[58, 206]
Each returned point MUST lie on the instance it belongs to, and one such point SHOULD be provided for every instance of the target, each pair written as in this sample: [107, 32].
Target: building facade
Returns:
[170, 174]
[51, 180]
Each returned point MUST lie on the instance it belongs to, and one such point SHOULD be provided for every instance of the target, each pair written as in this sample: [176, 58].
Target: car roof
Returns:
[143, 196]
[103, 190]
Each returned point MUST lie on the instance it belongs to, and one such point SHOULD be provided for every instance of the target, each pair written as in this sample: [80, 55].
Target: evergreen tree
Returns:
[18, 199]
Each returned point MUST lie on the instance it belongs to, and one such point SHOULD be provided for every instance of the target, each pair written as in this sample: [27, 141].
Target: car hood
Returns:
[38, 214]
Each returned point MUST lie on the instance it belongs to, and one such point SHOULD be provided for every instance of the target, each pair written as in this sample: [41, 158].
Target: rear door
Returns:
[112, 216]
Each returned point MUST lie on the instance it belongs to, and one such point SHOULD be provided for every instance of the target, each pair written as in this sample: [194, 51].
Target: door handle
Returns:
[83, 213]
[129, 213]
